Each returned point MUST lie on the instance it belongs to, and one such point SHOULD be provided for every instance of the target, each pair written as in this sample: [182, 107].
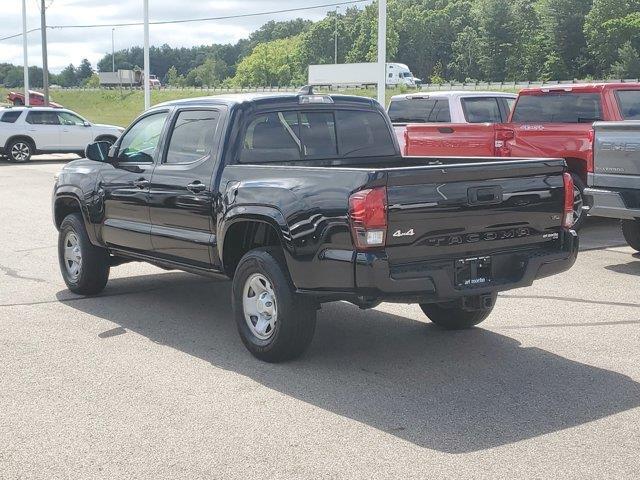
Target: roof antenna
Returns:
[306, 90]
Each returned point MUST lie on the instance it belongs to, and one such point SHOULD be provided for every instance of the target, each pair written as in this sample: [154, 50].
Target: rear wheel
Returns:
[453, 315]
[631, 232]
[275, 323]
[579, 213]
[19, 150]
[84, 267]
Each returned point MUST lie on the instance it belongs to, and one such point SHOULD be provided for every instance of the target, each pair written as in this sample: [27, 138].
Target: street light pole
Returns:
[25, 53]
[147, 92]
[382, 51]
[45, 63]
[113, 50]
[335, 34]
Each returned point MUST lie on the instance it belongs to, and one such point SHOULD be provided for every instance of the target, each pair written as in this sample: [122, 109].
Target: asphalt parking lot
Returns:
[150, 379]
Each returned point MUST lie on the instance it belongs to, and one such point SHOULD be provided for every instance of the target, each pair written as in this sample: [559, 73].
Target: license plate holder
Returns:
[473, 271]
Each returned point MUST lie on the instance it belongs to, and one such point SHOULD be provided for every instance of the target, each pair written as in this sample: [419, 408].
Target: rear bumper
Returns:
[434, 280]
[607, 202]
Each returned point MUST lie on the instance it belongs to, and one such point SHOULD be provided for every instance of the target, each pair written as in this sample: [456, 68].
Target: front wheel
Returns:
[631, 233]
[453, 315]
[275, 323]
[19, 151]
[84, 267]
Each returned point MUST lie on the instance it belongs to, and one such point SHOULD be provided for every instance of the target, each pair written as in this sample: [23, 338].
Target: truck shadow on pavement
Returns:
[454, 392]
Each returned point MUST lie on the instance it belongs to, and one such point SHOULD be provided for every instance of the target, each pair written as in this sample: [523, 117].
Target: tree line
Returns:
[440, 40]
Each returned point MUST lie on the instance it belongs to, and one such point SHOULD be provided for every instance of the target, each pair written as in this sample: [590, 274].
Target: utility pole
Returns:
[147, 92]
[335, 34]
[45, 64]
[25, 53]
[113, 50]
[382, 51]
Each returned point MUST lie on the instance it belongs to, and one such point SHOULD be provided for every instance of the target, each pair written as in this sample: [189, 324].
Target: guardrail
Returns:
[423, 87]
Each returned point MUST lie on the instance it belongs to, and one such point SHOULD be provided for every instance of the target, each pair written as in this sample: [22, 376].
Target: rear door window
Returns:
[43, 118]
[419, 110]
[481, 110]
[558, 108]
[192, 136]
[10, 117]
[629, 104]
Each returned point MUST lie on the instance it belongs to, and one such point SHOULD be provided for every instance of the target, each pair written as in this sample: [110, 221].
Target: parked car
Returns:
[305, 199]
[35, 99]
[458, 107]
[546, 122]
[26, 131]
[614, 186]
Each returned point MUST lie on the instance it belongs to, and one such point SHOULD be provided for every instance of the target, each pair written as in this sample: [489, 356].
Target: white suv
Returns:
[25, 131]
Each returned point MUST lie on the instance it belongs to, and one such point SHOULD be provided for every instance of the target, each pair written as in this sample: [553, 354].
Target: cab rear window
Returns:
[315, 135]
[419, 110]
[566, 107]
[629, 104]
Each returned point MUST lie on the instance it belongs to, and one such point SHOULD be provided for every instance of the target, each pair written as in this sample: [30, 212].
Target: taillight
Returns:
[368, 217]
[503, 135]
[590, 161]
[567, 217]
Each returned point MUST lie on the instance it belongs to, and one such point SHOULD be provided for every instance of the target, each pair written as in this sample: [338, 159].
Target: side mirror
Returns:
[98, 151]
[86, 124]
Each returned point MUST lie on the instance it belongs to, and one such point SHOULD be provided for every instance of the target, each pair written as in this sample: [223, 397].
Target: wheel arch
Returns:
[23, 137]
[263, 227]
[578, 167]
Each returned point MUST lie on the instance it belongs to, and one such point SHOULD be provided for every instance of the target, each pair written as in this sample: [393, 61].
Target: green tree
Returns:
[628, 64]
[209, 74]
[562, 21]
[608, 25]
[274, 63]
[173, 78]
[68, 77]
[84, 71]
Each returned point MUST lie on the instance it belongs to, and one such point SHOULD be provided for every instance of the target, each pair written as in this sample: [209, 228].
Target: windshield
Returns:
[629, 104]
[565, 107]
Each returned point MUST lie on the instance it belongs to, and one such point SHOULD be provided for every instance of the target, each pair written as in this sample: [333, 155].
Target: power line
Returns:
[192, 20]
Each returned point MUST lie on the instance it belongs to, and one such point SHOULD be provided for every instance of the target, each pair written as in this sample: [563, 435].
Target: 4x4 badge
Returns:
[400, 233]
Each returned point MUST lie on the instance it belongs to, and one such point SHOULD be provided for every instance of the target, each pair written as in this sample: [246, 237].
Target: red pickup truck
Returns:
[36, 99]
[546, 122]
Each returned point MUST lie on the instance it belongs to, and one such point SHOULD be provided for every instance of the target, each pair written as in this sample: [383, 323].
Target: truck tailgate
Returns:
[616, 154]
[460, 210]
[449, 139]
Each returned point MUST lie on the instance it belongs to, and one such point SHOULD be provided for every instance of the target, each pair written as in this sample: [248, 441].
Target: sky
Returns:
[72, 45]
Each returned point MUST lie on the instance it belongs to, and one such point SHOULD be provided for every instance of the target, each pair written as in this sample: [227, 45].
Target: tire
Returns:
[579, 213]
[92, 272]
[19, 150]
[282, 322]
[451, 315]
[17, 102]
[631, 233]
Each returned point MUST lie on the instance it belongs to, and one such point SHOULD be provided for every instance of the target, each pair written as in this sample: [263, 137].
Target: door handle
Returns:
[196, 187]
[141, 183]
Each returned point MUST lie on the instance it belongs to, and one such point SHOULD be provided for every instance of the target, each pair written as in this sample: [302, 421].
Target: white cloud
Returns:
[71, 45]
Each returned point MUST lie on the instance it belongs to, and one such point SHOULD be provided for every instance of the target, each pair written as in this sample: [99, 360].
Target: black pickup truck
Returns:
[303, 199]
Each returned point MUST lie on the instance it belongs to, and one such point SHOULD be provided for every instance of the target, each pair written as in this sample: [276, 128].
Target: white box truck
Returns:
[356, 74]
